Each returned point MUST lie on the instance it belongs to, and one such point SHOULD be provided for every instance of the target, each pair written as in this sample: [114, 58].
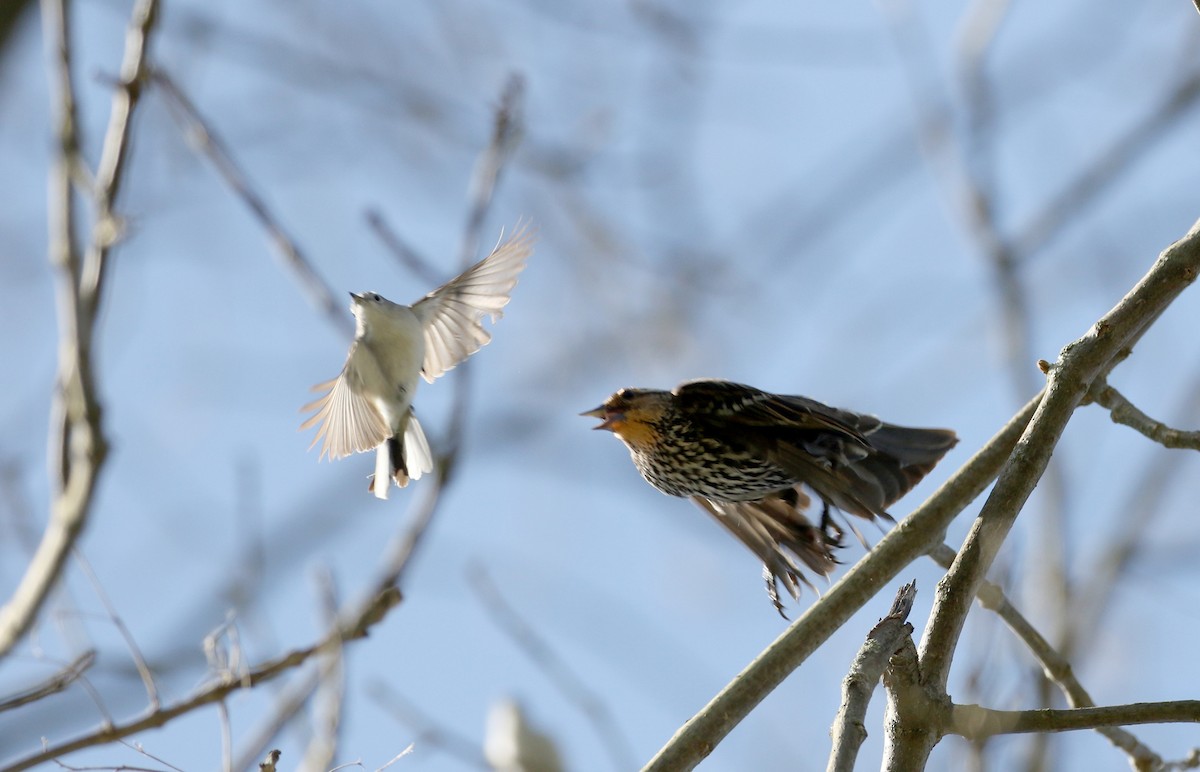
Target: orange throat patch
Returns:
[635, 434]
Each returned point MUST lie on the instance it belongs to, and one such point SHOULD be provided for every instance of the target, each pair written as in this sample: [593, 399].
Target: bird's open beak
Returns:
[609, 419]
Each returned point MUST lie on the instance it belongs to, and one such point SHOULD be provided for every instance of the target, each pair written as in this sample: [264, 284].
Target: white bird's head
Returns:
[369, 309]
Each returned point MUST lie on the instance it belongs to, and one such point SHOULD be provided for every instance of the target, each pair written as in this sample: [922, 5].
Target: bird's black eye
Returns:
[375, 297]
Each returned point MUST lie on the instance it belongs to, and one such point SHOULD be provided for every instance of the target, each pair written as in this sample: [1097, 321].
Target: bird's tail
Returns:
[401, 461]
[868, 478]
[387, 455]
[900, 458]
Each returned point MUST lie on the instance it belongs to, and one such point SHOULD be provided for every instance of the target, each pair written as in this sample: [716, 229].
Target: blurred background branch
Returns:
[77, 437]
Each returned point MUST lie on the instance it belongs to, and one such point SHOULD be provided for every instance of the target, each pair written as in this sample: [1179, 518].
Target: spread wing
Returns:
[452, 315]
[346, 421]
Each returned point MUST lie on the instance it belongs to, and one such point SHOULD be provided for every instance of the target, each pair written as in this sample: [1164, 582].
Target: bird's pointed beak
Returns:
[609, 420]
[357, 298]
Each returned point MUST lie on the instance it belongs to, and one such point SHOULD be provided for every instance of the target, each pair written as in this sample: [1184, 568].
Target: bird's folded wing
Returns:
[746, 407]
[451, 316]
[348, 422]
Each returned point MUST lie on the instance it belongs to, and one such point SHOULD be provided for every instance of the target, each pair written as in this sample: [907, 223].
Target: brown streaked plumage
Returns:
[747, 457]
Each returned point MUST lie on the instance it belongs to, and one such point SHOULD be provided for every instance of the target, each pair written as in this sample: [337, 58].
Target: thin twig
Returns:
[141, 750]
[1126, 413]
[52, 685]
[1138, 512]
[397, 757]
[226, 737]
[135, 652]
[110, 171]
[207, 142]
[977, 723]
[849, 726]
[555, 667]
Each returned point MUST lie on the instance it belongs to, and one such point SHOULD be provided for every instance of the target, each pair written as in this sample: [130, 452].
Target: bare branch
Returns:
[849, 726]
[134, 652]
[77, 437]
[1054, 665]
[350, 627]
[1080, 364]
[915, 709]
[109, 174]
[214, 148]
[976, 723]
[1125, 412]
[53, 685]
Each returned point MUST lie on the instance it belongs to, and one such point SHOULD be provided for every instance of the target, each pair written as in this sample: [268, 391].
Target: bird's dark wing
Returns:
[802, 436]
[746, 408]
[853, 461]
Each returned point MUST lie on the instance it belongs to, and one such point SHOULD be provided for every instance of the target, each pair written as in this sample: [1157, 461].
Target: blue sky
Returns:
[727, 190]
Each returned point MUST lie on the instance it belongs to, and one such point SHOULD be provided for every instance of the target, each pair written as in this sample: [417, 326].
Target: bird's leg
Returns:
[773, 589]
[832, 532]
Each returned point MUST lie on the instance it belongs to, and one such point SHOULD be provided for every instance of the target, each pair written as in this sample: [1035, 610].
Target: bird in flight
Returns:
[369, 405]
[750, 459]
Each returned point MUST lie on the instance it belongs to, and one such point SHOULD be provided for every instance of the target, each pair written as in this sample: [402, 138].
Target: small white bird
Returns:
[369, 405]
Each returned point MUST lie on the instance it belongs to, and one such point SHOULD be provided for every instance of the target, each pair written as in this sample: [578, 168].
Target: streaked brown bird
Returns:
[748, 458]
